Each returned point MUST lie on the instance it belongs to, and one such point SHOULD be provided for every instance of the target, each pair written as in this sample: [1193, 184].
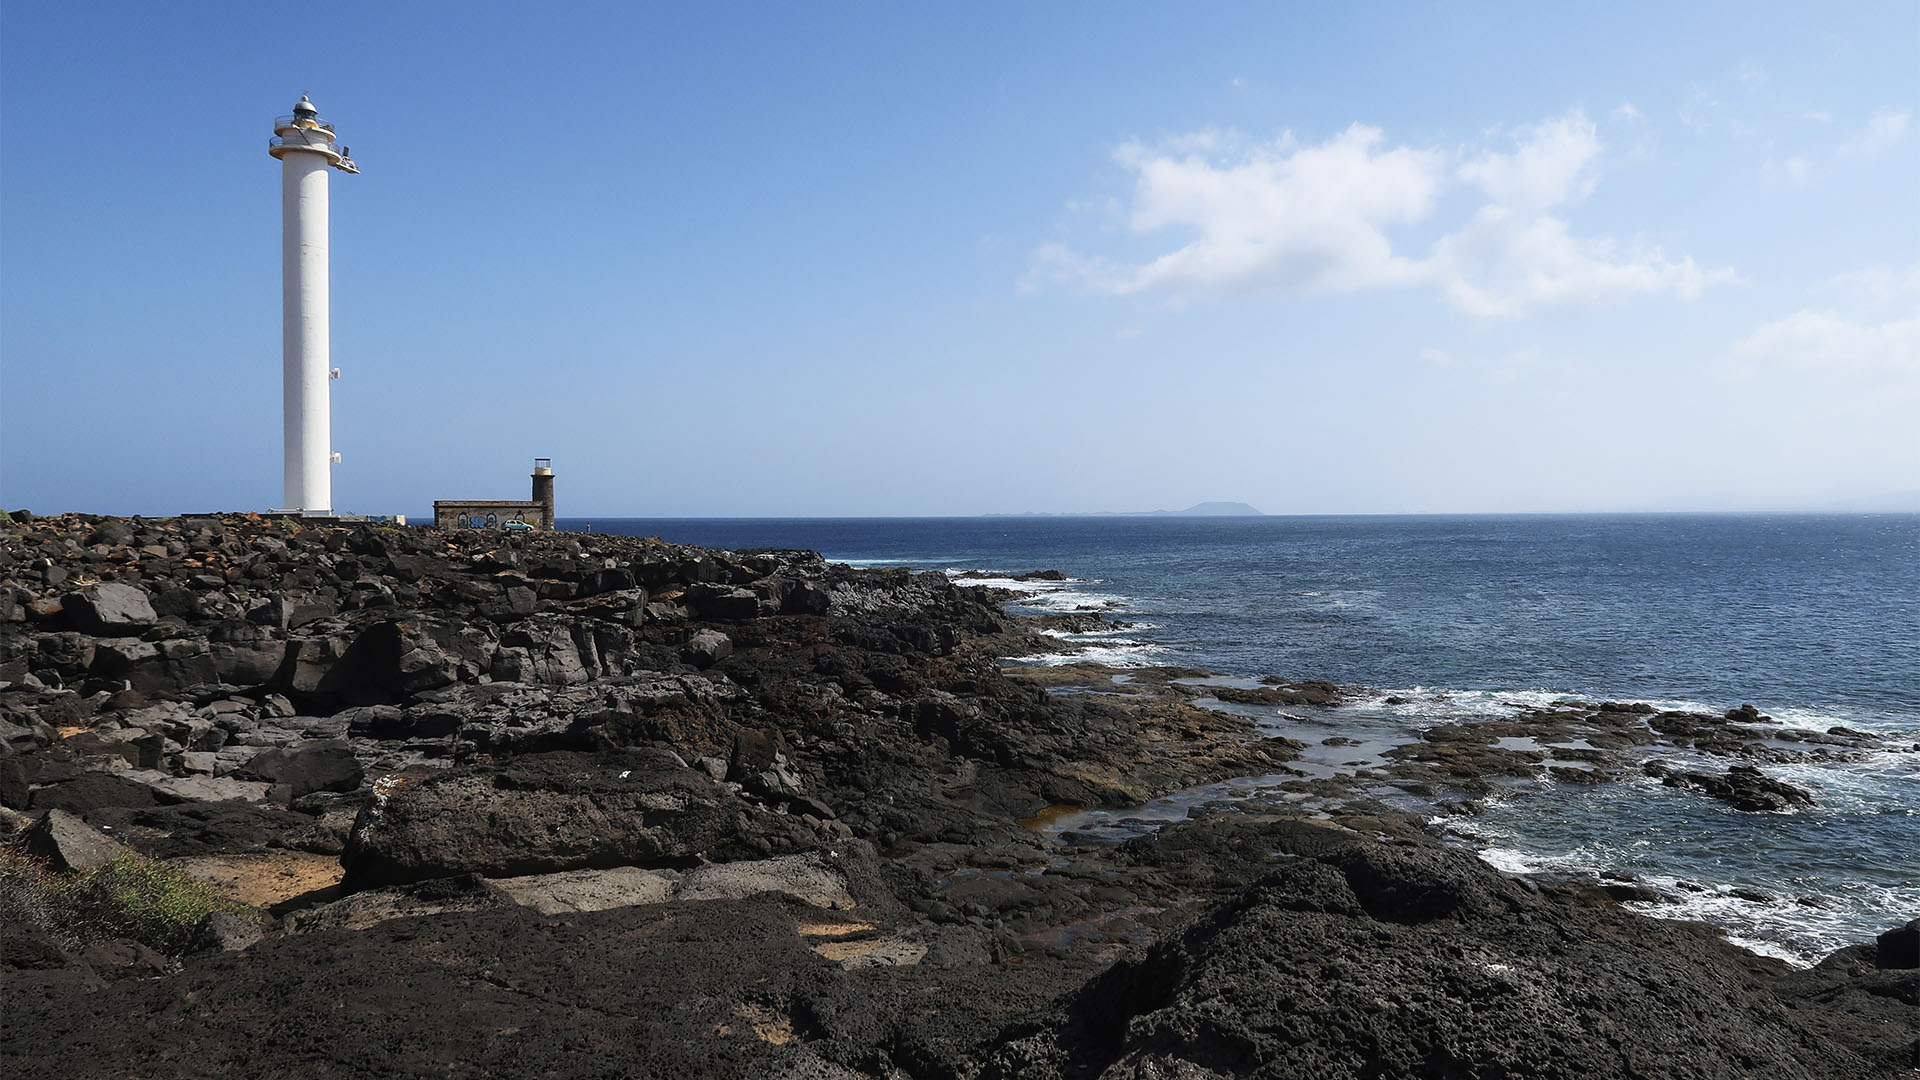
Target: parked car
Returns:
[519, 526]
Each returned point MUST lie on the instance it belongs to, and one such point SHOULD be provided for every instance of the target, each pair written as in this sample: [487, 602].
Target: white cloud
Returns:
[1505, 264]
[1830, 343]
[1548, 165]
[1304, 217]
[1316, 217]
[1883, 130]
[1623, 113]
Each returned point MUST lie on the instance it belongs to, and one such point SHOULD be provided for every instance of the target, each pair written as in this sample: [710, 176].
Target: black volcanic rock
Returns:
[1306, 693]
[714, 990]
[110, 607]
[707, 648]
[92, 791]
[541, 813]
[67, 843]
[1371, 960]
[1899, 948]
[306, 768]
[1744, 788]
[532, 703]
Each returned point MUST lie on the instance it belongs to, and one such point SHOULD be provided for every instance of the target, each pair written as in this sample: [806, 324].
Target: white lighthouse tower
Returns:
[304, 144]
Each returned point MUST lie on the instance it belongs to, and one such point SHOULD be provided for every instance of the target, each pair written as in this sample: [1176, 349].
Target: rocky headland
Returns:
[588, 806]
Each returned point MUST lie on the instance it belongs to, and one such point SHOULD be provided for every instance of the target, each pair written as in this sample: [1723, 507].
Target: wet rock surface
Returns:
[1359, 958]
[569, 805]
[1744, 787]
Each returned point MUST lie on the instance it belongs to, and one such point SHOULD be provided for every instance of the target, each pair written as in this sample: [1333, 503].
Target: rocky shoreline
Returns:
[569, 805]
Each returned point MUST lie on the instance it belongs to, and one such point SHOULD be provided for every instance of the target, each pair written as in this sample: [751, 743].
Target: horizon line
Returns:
[1174, 516]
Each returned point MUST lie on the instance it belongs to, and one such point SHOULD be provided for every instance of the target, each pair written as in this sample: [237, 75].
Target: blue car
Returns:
[519, 526]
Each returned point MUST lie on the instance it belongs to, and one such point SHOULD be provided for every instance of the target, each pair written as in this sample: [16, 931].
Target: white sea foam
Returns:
[1069, 602]
[1512, 860]
[1798, 933]
[1821, 720]
[1120, 654]
[1113, 647]
[1798, 906]
[1116, 636]
[1113, 639]
[1050, 597]
[1006, 580]
[874, 562]
[1424, 706]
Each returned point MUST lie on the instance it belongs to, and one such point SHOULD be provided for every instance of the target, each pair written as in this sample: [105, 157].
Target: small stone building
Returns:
[495, 513]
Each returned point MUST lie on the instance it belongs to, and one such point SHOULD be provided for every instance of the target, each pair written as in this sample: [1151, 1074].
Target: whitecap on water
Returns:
[1425, 706]
[1114, 653]
[1049, 597]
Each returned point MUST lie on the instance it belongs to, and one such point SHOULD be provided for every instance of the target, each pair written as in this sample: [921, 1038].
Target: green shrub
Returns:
[135, 897]
[132, 897]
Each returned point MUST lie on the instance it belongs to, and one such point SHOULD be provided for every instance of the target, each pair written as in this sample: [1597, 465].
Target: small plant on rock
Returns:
[132, 897]
[140, 899]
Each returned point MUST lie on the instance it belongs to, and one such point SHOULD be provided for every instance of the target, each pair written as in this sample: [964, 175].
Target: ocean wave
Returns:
[1051, 597]
[1008, 579]
[1794, 895]
[1801, 931]
[1117, 635]
[1113, 647]
[871, 563]
[1118, 654]
[1760, 922]
[1426, 705]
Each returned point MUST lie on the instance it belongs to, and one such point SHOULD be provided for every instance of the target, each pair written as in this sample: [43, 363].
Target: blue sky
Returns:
[840, 259]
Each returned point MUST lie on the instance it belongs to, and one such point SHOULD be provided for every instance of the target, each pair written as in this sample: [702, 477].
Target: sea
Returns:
[1814, 619]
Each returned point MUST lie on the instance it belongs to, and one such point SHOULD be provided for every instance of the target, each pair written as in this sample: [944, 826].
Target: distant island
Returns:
[1205, 509]
[1215, 509]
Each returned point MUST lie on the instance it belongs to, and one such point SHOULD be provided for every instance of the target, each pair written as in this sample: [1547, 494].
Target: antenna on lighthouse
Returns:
[304, 144]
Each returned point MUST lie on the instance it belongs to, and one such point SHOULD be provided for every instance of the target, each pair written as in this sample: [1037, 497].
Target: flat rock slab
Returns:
[896, 951]
[589, 890]
[264, 879]
[68, 843]
[200, 788]
[110, 608]
[809, 878]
